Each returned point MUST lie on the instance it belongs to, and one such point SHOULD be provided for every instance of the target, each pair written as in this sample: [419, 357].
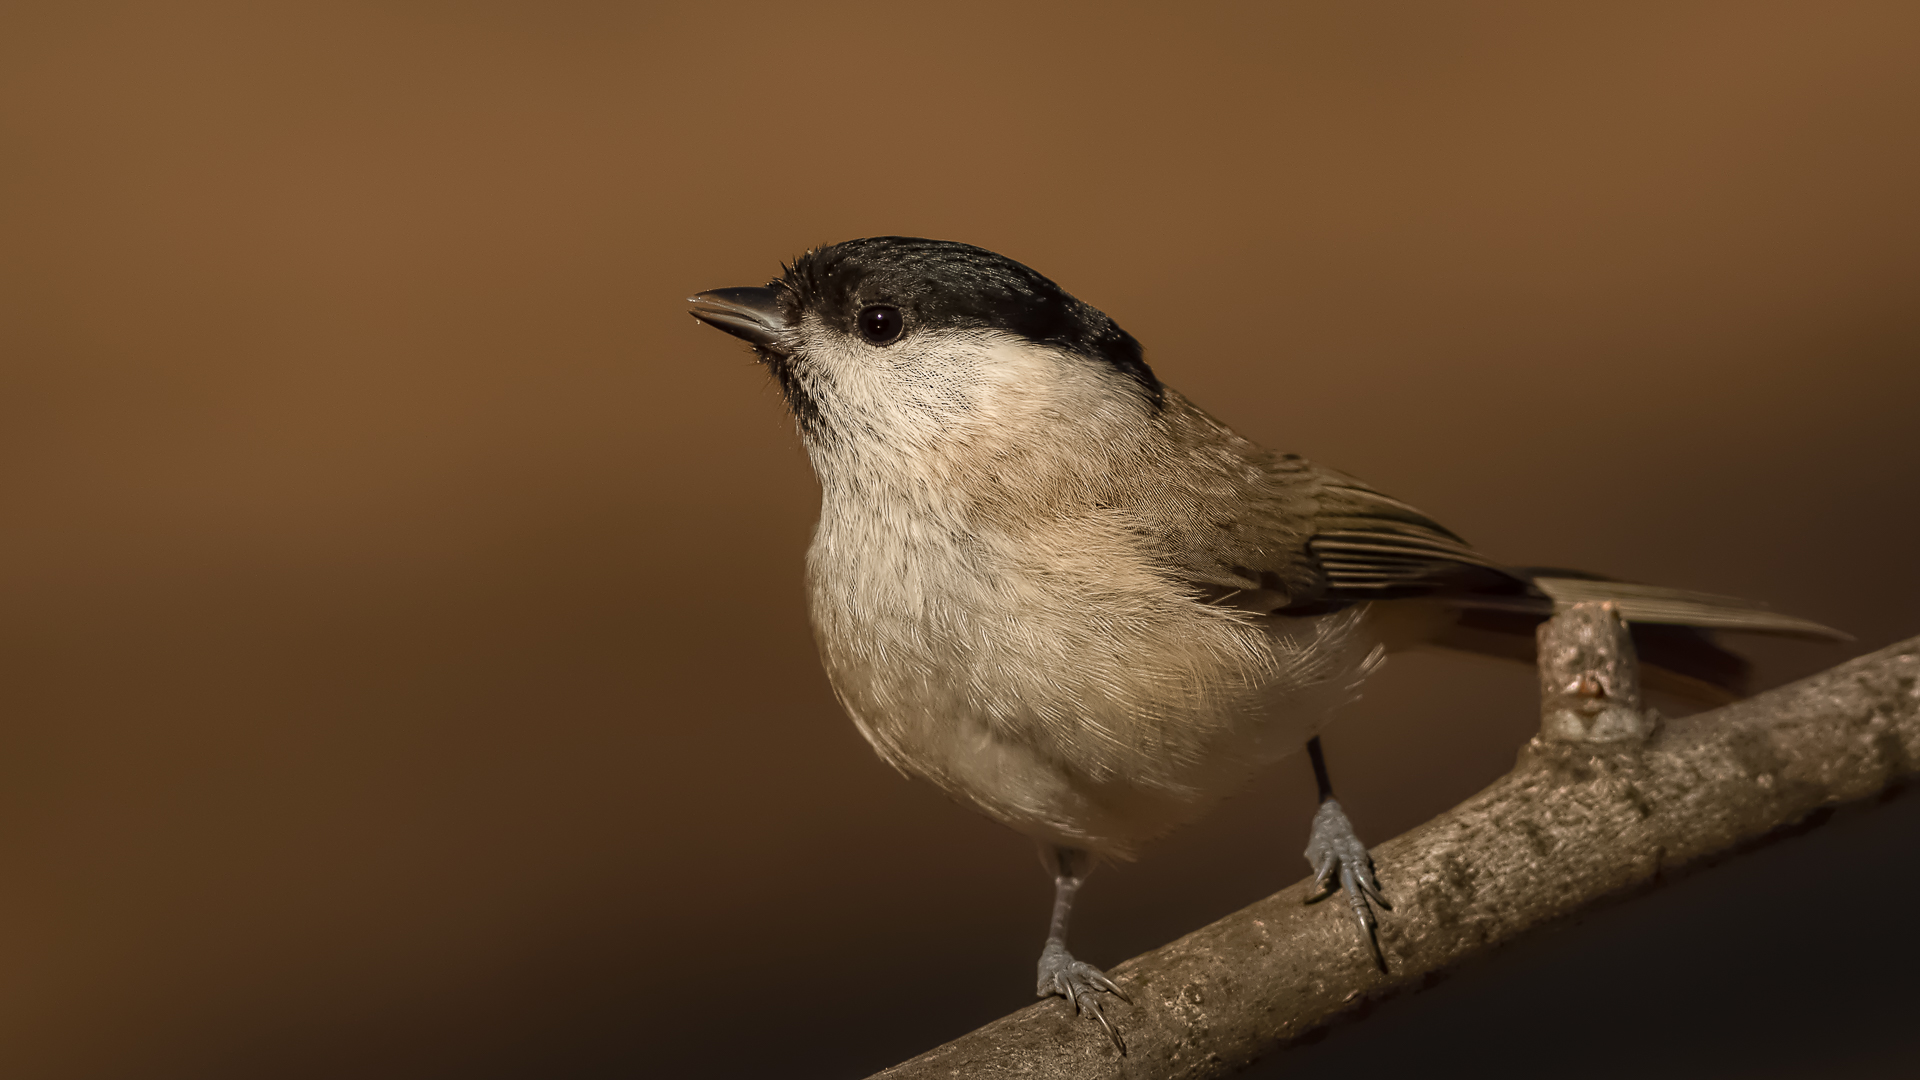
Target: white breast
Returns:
[993, 627]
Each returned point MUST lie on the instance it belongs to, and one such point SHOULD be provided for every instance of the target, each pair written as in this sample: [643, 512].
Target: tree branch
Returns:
[1597, 805]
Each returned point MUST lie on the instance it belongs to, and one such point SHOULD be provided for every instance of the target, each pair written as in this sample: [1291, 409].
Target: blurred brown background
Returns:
[403, 666]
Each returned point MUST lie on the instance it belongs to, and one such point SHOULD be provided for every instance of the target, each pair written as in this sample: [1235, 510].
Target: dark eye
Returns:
[881, 324]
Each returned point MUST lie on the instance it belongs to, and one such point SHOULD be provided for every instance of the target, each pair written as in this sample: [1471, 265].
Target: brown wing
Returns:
[1369, 546]
[1315, 539]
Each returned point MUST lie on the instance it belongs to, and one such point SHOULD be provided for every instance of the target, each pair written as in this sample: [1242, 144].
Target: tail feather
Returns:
[1679, 607]
[1672, 630]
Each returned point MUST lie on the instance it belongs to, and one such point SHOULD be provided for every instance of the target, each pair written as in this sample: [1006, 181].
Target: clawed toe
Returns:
[1080, 983]
[1340, 861]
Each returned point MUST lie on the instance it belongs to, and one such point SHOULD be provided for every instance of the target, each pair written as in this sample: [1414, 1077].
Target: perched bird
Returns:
[1049, 584]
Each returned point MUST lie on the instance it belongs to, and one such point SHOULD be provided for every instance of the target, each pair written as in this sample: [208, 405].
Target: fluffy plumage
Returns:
[1062, 592]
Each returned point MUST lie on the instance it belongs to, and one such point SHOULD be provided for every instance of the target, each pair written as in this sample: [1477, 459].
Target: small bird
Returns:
[1051, 585]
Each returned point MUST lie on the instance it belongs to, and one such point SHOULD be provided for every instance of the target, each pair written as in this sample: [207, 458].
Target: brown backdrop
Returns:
[403, 666]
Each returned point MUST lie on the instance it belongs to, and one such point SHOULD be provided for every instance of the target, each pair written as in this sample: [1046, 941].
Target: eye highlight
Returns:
[881, 324]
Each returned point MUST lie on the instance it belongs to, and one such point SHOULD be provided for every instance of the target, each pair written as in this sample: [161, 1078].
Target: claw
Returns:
[1373, 946]
[1357, 897]
[1111, 1033]
[1324, 880]
[1099, 979]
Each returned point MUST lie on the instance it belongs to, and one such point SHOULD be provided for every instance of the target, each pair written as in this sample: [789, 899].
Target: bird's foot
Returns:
[1336, 852]
[1080, 983]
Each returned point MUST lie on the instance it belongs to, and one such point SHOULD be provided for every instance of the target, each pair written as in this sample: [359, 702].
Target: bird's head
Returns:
[914, 342]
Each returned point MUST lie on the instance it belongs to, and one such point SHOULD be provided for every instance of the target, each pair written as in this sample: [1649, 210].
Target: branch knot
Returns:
[1590, 678]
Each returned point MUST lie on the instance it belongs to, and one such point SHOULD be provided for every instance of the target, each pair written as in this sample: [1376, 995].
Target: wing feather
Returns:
[1303, 538]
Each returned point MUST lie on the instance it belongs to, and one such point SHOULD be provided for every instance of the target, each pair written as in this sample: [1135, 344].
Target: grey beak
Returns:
[750, 314]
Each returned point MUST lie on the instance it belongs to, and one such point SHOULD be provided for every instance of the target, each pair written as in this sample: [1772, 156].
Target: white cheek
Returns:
[935, 390]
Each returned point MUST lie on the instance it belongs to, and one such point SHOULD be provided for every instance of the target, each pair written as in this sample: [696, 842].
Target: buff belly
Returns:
[1092, 735]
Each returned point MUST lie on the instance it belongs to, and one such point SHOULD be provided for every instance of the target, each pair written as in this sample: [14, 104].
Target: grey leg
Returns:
[1060, 973]
[1334, 850]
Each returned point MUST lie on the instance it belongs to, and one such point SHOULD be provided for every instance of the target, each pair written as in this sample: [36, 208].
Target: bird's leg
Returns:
[1335, 851]
[1060, 973]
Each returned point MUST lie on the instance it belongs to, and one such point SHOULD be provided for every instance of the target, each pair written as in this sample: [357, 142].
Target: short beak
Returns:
[750, 314]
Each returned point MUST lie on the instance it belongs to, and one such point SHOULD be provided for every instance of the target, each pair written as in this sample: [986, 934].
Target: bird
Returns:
[1060, 591]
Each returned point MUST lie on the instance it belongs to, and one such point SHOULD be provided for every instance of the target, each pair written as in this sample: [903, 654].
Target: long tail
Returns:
[1672, 629]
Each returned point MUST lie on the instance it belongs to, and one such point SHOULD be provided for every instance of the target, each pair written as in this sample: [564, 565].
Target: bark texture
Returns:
[1575, 822]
